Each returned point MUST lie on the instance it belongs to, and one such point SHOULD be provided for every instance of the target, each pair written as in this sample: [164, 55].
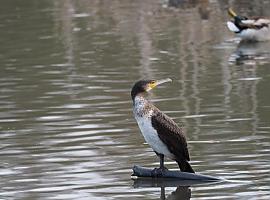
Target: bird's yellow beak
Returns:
[155, 83]
[231, 13]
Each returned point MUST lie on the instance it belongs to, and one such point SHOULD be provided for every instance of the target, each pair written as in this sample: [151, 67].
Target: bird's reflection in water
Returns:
[251, 53]
[182, 192]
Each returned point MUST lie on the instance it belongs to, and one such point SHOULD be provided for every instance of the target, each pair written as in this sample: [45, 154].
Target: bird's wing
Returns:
[171, 135]
[254, 23]
[247, 24]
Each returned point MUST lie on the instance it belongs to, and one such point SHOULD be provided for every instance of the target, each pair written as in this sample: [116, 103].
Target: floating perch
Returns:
[146, 172]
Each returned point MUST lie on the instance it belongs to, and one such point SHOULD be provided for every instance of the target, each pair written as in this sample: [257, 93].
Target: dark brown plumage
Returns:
[172, 135]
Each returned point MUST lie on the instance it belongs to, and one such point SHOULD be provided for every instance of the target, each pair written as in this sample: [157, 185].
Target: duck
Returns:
[249, 28]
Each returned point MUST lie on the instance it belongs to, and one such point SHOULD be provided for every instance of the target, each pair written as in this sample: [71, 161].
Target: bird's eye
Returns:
[152, 82]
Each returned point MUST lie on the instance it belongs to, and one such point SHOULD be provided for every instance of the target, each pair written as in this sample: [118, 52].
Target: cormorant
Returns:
[159, 130]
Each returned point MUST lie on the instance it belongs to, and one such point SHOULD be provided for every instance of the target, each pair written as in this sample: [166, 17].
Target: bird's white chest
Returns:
[151, 136]
[149, 133]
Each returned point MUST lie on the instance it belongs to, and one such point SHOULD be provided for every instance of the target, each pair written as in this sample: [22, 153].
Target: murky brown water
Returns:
[67, 130]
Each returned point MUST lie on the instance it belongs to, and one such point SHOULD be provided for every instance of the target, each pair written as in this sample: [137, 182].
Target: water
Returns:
[67, 130]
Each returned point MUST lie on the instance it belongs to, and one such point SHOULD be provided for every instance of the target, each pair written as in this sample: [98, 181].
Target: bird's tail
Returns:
[185, 166]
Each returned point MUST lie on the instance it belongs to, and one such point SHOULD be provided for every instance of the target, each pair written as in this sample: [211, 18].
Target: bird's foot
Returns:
[158, 172]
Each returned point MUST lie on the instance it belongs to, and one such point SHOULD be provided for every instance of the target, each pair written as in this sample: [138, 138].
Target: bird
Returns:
[163, 135]
[249, 28]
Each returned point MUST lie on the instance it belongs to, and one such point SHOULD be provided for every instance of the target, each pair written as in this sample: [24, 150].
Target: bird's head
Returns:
[236, 17]
[146, 85]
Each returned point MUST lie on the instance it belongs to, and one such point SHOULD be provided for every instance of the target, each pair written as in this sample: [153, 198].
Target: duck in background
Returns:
[249, 29]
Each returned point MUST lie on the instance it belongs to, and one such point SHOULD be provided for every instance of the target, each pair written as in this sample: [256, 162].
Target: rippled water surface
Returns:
[66, 124]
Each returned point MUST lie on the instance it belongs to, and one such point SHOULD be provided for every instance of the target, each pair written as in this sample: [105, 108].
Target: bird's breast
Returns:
[143, 111]
[151, 136]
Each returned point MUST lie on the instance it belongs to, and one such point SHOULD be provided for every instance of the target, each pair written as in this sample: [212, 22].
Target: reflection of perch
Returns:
[182, 191]
[144, 182]
[146, 172]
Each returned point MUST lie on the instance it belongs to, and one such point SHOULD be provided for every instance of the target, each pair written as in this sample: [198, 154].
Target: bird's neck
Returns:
[139, 100]
[142, 107]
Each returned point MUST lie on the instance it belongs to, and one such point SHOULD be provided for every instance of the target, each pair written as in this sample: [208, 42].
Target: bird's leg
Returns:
[158, 172]
[161, 162]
